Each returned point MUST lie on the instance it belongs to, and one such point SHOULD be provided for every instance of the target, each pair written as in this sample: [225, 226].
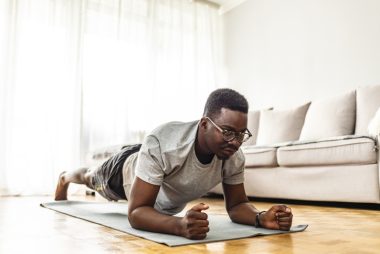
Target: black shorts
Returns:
[107, 179]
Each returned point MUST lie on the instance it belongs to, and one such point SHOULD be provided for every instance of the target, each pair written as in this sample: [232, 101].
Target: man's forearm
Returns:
[243, 213]
[147, 218]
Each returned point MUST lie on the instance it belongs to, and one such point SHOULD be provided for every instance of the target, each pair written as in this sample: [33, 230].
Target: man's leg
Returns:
[79, 176]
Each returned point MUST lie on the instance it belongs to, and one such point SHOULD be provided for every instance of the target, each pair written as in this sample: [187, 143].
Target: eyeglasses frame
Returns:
[236, 134]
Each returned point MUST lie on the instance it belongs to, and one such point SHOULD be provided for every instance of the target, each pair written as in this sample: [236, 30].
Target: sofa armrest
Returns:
[377, 144]
[378, 157]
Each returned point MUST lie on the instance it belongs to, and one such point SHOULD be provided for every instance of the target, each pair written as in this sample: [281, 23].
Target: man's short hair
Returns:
[225, 98]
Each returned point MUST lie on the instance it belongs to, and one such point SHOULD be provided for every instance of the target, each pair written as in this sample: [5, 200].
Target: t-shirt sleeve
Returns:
[233, 169]
[149, 166]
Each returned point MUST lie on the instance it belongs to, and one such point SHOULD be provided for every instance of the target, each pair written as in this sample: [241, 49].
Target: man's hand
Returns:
[195, 224]
[277, 217]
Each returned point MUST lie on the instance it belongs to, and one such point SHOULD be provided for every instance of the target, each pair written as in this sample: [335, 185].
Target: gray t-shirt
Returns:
[167, 158]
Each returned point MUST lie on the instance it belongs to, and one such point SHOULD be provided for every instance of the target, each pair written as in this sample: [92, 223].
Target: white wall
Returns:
[284, 52]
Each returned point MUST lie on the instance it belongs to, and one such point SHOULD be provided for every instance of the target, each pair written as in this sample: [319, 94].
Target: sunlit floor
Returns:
[25, 227]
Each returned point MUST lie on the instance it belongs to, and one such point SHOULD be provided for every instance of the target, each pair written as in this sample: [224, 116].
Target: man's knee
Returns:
[88, 176]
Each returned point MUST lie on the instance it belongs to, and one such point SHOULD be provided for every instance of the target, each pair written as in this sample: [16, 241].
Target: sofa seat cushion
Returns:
[345, 150]
[260, 156]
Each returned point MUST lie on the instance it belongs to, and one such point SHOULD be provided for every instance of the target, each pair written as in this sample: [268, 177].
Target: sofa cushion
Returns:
[253, 126]
[330, 117]
[281, 125]
[374, 125]
[256, 156]
[367, 103]
[346, 150]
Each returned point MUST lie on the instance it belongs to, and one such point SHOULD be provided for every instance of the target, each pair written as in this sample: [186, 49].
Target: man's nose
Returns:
[235, 143]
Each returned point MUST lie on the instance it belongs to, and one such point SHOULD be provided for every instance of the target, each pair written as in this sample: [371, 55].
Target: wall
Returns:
[283, 53]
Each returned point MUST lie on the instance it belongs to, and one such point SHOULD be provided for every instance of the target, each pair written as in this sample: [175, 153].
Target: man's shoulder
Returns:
[175, 130]
[173, 135]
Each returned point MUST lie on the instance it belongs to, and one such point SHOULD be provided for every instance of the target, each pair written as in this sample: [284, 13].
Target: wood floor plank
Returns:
[27, 228]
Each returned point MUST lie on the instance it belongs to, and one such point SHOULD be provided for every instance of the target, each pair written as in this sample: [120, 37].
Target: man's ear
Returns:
[203, 123]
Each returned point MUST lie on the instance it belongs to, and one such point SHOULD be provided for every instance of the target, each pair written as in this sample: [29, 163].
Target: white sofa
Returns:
[319, 151]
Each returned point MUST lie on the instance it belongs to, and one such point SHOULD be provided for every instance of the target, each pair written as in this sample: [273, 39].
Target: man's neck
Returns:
[204, 155]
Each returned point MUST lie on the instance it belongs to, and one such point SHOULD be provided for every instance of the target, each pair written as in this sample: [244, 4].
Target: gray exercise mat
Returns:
[114, 215]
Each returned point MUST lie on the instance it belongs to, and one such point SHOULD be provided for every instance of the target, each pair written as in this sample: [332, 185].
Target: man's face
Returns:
[227, 120]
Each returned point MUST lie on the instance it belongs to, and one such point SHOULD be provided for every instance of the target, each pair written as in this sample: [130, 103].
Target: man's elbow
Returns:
[133, 218]
[231, 215]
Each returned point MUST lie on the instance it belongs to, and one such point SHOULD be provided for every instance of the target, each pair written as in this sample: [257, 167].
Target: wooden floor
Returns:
[25, 227]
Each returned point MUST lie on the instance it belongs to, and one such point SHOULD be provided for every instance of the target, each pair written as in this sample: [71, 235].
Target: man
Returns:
[179, 162]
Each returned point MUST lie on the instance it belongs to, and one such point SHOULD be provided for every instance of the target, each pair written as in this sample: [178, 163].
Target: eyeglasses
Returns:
[229, 135]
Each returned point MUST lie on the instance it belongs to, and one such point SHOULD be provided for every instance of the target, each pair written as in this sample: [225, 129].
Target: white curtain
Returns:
[39, 95]
[81, 75]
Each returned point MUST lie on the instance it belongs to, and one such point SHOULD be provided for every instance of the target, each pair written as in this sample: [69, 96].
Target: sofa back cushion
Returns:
[330, 117]
[278, 126]
[374, 125]
[367, 103]
[253, 126]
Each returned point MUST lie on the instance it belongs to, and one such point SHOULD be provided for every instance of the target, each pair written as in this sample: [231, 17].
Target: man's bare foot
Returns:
[62, 186]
